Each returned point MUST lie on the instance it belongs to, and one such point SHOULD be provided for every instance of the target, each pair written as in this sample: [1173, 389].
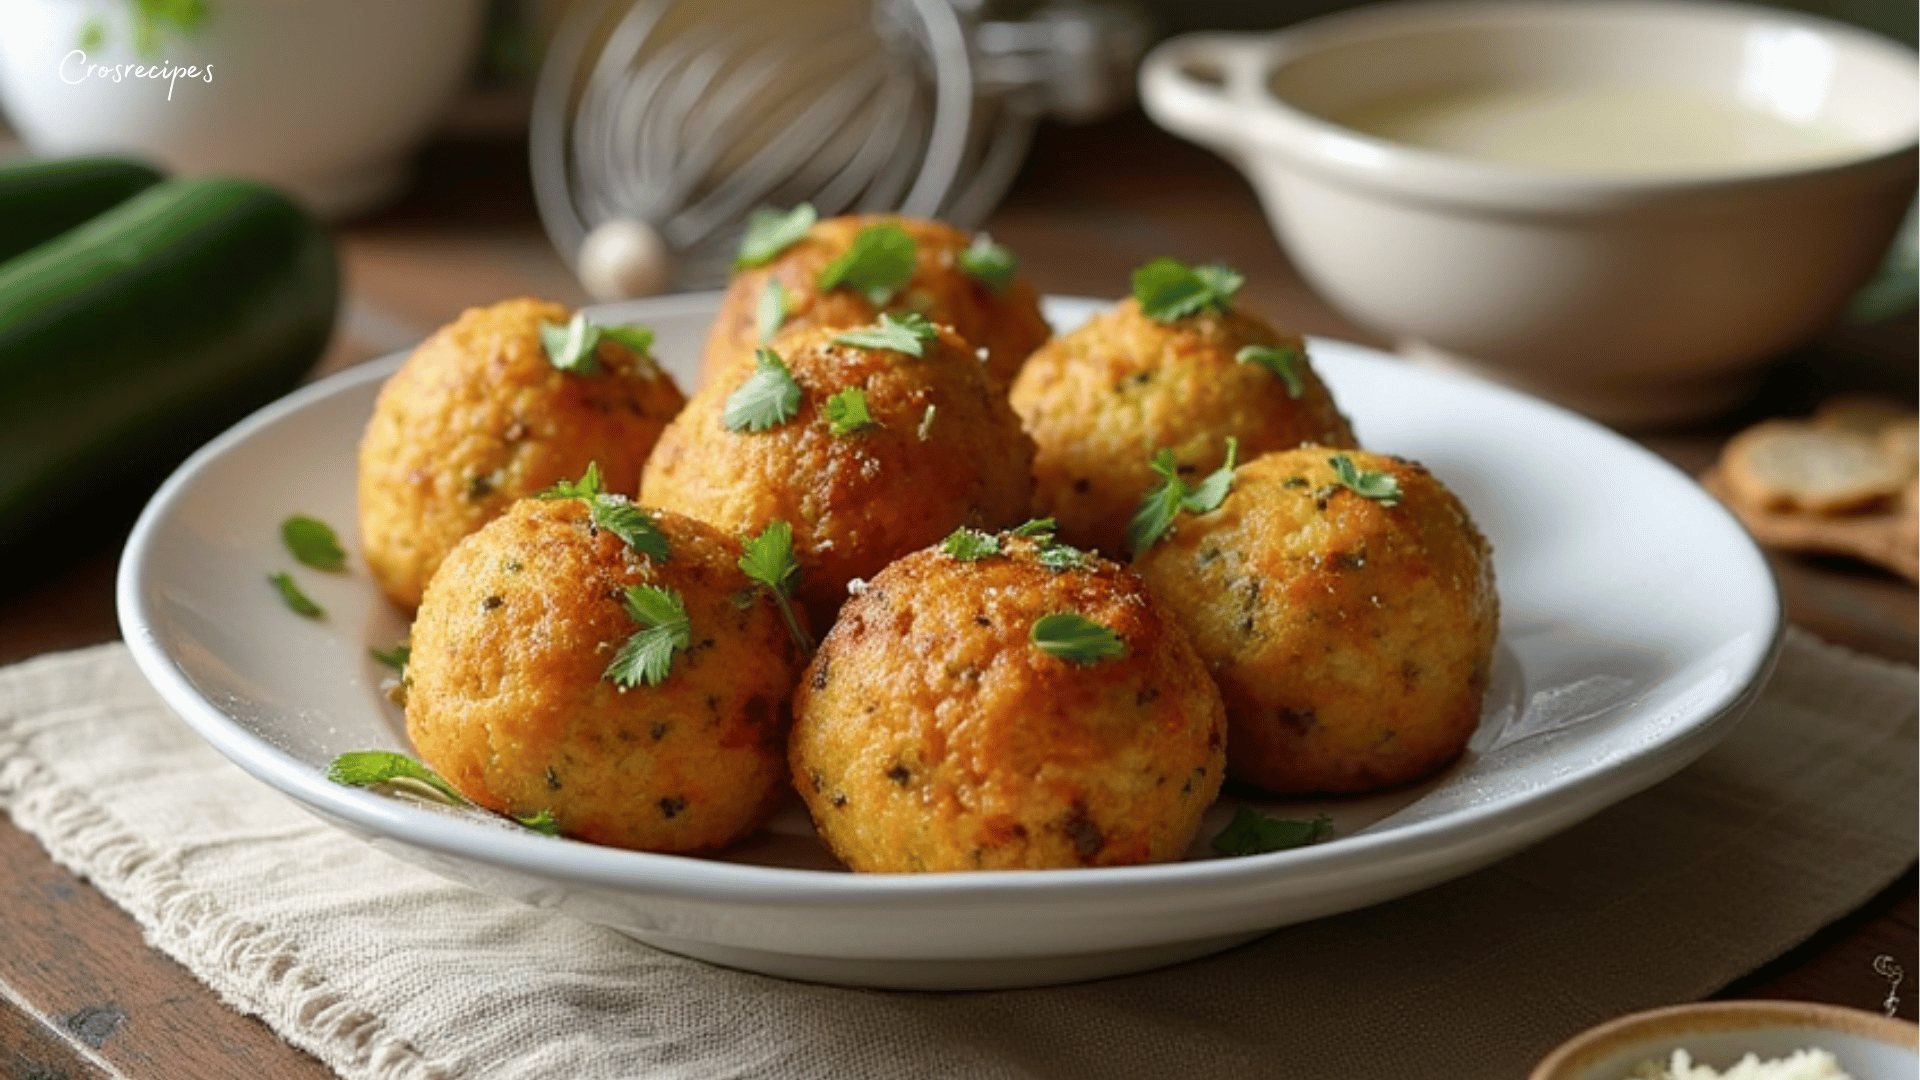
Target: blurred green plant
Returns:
[152, 20]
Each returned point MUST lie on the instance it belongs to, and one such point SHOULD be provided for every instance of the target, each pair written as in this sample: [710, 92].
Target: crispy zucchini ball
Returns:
[1099, 401]
[518, 692]
[1000, 314]
[477, 417]
[931, 732]
[938, 449]
[1351, 635]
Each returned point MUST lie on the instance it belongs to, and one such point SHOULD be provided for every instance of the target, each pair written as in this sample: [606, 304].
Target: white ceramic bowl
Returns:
[1639, 299]
[325, 98]
[1718, 1034]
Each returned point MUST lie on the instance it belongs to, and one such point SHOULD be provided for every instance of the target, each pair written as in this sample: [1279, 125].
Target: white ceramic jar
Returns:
[324, 97]
[1642, 297]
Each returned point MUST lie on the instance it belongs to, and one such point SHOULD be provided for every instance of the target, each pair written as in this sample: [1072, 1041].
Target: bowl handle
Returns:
[1204, 87]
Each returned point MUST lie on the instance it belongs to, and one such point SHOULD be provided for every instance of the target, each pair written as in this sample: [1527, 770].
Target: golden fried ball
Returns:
[1351, 638]
[944, 450]
[477, 417]
[1099, 401]
[509, 696]
[931, 733]
[1008, 325]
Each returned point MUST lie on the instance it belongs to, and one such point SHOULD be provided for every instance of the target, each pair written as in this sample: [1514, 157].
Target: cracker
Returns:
[1790, 465]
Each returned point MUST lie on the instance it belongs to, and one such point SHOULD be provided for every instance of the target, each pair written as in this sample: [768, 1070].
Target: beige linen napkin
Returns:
[385, 971]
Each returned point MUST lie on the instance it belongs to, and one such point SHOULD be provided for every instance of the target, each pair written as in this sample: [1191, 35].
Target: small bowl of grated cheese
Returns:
[1740, 1040]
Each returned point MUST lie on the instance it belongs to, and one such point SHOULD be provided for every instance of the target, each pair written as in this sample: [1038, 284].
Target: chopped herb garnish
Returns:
[1055, 555]
[847, 412]
[770, 314]
[1072, 636]
[636, 338]
[294, 598]
[1253, 833]
[1172, 495]
[876, 266]
[615, 513]
[1381, 487]
[970, 545]
[1283, 362]
[906, 332]
[770, 232]
[1168, 289]
[769, 560]
[312, 542]
[370, 768]
[395, 658]
[991, 263]
[571, 347]
[1045, 526]
[647, 655]
[768, 397]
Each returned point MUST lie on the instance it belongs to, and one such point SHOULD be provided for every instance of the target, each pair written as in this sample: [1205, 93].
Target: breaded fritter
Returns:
[1352, 637]
[1100, 400]
[478, 417]
[942, 450]
[932, 733]
[1007, 324]
[509, 697]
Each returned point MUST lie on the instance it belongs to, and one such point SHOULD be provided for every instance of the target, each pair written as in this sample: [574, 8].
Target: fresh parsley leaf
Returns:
[541, 822]
[619, 516]
[1172, 494]
[1055, 555]
[906, 332]
[637, 338]
[970, 545]
[769, 396]
[770, 314]
[312, 542]
[1073, 637]
[769, 560]
[1158, 506]
[876, 266]
[1381, 487]
[991, 263]
[1253, 833]
[770, 232]
[1207, 495]
[1283, 363]
[647, 655]
[395, 658]
[584, 488]
[1045, 526]
[365, 768]
[1168, 289]
[294, 598]
[847, 412]
[570, 347]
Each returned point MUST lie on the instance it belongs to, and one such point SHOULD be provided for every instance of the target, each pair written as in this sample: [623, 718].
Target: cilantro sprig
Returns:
[906, 332]
[313, 542]
[615, 513]
[770, 313]
[395, 658]
[770, 560]
[1172, 495]
[1283, 363]
[646, 657]
[298, 602]
[1254, 833]
[970, 545]
[847, 412]
[990, 263]
[1073, 637]
[880, 261]
[373, 768]
[1168, 289]
[767, 399]
[770, 232]
[1381, 487]
[571, 347]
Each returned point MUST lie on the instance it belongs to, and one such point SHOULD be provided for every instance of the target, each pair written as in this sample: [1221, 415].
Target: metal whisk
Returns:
[659, 125]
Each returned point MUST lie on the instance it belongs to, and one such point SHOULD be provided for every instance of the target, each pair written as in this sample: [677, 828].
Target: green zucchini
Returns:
[127, 342]
[42, 198]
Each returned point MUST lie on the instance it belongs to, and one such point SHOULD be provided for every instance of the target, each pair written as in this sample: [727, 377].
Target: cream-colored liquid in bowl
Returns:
[1607, 130]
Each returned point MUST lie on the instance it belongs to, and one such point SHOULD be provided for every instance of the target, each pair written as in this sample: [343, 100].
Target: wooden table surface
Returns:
[81, 996]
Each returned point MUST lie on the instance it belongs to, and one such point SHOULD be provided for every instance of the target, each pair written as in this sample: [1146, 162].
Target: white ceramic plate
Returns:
[1638, 621]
